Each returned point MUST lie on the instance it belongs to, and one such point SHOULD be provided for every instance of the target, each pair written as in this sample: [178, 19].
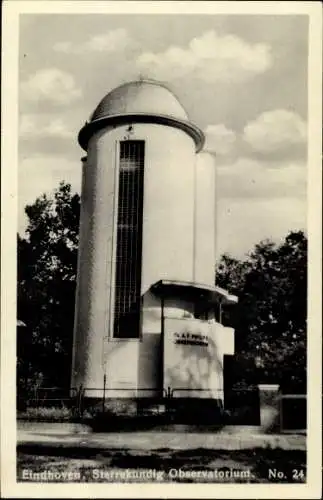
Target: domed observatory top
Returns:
[144, 101]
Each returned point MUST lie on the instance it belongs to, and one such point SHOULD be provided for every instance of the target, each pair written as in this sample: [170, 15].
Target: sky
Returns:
[241, 78]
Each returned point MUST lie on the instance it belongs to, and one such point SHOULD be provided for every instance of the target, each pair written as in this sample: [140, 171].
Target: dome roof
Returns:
[140, 101]
[143, 96]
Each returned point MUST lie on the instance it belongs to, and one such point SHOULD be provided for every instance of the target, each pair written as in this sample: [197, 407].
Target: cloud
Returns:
[250, 179]
[40, 175]
[33, 126]
[219, 139]
[111, 41]
[275, 131]
[51, 85]
[210, 57]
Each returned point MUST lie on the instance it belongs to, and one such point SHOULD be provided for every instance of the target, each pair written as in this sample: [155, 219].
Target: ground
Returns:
[161, 457]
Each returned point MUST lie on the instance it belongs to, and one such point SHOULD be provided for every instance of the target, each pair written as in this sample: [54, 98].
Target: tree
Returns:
[47, 259]
[270, 319]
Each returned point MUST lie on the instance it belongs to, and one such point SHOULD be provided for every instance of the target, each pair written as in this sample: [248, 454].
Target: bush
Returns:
[112, 408]
[50, 414]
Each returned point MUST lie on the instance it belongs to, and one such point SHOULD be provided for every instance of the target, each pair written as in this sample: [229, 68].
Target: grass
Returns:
[257, 463]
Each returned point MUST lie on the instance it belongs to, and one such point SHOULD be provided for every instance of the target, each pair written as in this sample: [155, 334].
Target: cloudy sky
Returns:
[241, 78]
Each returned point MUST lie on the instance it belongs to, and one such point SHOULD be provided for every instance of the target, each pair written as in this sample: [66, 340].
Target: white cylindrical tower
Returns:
[138, 226]
[205, 219]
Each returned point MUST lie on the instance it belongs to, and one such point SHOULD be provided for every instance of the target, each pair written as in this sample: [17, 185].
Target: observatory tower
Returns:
[148, 315]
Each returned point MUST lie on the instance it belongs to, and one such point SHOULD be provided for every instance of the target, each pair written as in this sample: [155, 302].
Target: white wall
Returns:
[198, 368]
[205, 219]
[168, 205]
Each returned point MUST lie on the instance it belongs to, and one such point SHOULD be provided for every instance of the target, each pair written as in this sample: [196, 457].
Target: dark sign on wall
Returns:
[189, 338]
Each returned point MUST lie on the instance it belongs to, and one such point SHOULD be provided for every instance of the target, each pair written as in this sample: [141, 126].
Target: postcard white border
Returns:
[10, 31]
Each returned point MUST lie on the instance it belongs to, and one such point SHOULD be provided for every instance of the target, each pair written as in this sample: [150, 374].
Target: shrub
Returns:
[112, 408]
[51, 414]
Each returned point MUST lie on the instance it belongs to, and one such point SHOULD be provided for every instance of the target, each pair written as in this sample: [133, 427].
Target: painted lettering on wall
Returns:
[189, 338]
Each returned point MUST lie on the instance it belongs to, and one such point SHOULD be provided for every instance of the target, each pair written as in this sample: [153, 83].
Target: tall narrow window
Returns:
[129, 240]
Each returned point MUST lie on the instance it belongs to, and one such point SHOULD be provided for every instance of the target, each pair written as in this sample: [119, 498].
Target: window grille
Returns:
[129, 240]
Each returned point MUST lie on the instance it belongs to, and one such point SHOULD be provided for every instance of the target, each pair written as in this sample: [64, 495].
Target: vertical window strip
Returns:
[129, 240]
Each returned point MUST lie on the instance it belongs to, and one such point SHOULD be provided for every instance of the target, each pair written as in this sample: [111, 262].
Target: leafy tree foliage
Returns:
[47, 259]
[270, 319]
